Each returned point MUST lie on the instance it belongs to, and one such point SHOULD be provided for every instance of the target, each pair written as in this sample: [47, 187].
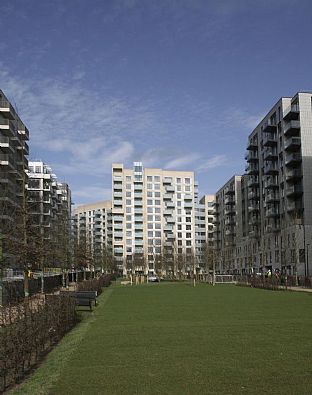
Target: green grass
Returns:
[175, 339]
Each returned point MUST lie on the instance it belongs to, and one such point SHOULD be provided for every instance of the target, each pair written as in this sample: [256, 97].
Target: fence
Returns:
[275, 282]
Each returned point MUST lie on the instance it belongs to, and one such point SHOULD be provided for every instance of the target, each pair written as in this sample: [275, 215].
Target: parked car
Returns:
[153, 279]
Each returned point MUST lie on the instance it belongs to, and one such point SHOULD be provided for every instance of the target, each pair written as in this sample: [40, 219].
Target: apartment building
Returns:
[279, 167]
[13, 178]
[204, 229]
[49, 212]
[153, 219]
[92, 228]
[228, 224]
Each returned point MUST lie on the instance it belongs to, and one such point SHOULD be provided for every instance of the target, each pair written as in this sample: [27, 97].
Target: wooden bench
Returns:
[125, 282]
[84, 302]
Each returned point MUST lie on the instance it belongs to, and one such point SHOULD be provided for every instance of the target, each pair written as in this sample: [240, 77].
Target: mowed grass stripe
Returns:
[177, 339]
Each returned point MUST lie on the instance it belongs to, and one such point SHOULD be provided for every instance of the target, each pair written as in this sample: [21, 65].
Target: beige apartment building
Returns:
[13, 178]
[204, 230]
[153, 219]
[92, 230]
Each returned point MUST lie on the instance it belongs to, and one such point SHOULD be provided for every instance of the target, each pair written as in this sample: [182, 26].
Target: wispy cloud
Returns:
[91, 193]
[183, 161]
[212, 163]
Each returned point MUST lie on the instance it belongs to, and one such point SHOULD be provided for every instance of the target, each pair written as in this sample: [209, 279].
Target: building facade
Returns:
[153, 219]
[92, 226]
[48, 214]
[228, 224]
[13, 178]
[270, 224]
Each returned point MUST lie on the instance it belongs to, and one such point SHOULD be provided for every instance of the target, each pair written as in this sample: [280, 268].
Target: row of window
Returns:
[187, 180]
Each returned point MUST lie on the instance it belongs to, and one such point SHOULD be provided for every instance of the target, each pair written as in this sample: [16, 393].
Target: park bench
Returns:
[125, 282]
[83, 302]
[89, 296]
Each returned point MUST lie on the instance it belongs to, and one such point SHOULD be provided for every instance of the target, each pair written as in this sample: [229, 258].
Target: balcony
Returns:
[252, 181]
[6, 109]
[254, 220]
[138, 187]
[229, 210]
[269, 139]
[188, 205]
[118, 227]
[170, 205]
[170, 236]
[292, 113]
[254, 233]
[252, 168]
[168, 212]
[269, 127]
[293, 159]
[253, 195]
[272, 212]
[170, 188]
[253, 207]
[292, 144]
[292, 128]
[117, 187]
[138, 211]
[168, 228]
[294, 191]
[118, 234]
[138, 195]
[230, 221]
[293, 175]
[229, 190]
[294, 206]
[167, 181]
[188, 197]
[118, 218]
[270, 154]
[270, 168]
[272, 197]
[251, 156]
[138, 227]
[117, 194]
[270, 183]
[252, 145]
[170, 220]
[229, 200]
[167, 196]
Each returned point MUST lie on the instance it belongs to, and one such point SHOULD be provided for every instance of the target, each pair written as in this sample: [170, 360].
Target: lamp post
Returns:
[308, 260]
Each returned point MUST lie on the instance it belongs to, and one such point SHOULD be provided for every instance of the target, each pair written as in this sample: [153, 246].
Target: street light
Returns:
[308, 260]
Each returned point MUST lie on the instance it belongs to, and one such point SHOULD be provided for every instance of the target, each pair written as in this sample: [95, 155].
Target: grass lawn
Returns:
[172, 338]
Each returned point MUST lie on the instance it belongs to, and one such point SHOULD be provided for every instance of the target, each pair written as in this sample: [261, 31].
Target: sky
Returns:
[176, 84]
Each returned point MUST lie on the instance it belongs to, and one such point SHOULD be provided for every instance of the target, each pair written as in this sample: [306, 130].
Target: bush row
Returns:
[29, 333]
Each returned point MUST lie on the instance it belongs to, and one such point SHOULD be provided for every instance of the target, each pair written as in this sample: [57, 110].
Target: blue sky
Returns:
[177, 84]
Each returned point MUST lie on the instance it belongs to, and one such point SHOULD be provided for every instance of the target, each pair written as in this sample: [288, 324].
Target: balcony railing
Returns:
[292, 128]
[292, 144]
[293, 159]
[292, 113]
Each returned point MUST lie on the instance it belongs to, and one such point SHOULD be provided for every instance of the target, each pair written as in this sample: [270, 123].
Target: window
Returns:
[156, 178]
[150, 226]
[188, 235]
[157, 194]
[128, 217]
[188, 242]
[158, 242]
[150, 234]
[128, 178]
[179, 211]
[150, 242]
[187, 188]
[157, 187]
[157, 234]
[149, 202]
[128, 234]
[149, 186]
[158, 225]
[178, 180]
[128, 186]
[179, 227]
[149, 194]
[178, 195]
[188, 219]
[188, 227]
[129, 249]
[128, 194]
[149, 209]
[149, 178]
[157, 202]
[179, 189]
[150, 218]
[128, 209]
[179, 235]
[179, 242]
[179, 219]
[128, 225]
[150, 250]
[187, 180]
[157, 218]
[157, 210]
[128, 201]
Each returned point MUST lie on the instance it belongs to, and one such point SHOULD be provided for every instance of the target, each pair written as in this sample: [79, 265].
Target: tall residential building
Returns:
[279, 168]
[153, 218]
[13, 163]
[204, 228]
[93, 230]
[49, 213]
[228, 224]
